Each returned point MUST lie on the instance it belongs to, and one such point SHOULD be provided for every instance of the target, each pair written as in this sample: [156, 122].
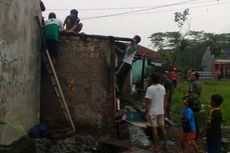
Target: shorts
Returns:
[52, 46]
[156, 120]
[187, 137]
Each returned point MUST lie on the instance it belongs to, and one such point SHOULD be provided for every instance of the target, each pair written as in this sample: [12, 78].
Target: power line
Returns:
[123, 8]
[138, 12]
[101, 9]
[142, 10]
[191, 7]
[120, 8]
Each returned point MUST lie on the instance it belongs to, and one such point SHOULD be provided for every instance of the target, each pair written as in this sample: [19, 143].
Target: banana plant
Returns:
[19, 128]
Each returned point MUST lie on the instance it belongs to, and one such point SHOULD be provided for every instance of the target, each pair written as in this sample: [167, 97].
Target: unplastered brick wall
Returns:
[85, 68]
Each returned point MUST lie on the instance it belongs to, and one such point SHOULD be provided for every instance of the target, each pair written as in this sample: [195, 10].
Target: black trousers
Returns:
[122, 70]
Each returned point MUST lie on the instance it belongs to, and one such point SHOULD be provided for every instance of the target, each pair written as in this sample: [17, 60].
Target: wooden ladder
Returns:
[54, 79]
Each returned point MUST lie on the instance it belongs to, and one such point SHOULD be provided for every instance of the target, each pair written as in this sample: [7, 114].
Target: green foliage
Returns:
[217, 42]
[19, 128]
[209, 87]
[187, 52]
[2, 122]
[158, 39]
[181, 17]
[167, 40]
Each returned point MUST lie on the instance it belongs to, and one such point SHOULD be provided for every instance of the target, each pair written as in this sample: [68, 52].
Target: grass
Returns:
[208, 87]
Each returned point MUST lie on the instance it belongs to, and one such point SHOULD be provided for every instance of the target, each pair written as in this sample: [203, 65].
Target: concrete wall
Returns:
[85, 67]
[19, 66]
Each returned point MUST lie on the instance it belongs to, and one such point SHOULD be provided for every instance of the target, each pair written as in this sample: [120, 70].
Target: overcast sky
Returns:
[126, 18]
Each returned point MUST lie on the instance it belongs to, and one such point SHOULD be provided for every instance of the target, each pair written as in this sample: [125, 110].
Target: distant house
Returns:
[207, 61]
[147, 53]
[140, 65]
[222, 64]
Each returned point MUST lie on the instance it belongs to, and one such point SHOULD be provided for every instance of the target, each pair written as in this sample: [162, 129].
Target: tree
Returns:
[167, 44]
[185, 49]
[173, 42]
[181, 18]
[187, 52]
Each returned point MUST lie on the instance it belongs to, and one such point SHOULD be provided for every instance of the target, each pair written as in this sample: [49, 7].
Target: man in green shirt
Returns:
[52, 28]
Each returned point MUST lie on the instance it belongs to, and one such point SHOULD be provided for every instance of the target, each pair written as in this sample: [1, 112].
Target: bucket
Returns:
[135, 116]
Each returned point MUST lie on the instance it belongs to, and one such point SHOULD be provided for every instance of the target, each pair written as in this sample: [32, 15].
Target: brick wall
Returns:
[85, 68]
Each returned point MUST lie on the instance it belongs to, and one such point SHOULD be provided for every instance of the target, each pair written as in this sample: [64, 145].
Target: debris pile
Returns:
[138, 137]
[74, 144]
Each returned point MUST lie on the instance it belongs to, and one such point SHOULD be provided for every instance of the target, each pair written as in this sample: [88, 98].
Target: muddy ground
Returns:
[132, 140]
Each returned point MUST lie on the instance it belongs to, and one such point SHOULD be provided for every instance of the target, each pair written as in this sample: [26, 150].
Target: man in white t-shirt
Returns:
[155, 108]
[125, 66]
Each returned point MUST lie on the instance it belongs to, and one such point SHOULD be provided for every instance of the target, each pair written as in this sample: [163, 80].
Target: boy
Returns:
[72, 22]
[213, 129]
[155, 110]
[174, 77]
[188, 124]
[52, 28]
[168, 88]
[195, 88]
[194, 93]
[43, 8]
[125, 66]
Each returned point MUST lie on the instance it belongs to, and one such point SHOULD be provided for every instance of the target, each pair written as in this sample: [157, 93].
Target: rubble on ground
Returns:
[75, 144]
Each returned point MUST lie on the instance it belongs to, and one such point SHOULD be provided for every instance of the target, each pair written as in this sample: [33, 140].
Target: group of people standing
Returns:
[158, 103]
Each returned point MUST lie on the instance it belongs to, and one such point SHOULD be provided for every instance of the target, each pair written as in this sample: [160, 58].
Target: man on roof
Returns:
[72, 22]
[52, 28]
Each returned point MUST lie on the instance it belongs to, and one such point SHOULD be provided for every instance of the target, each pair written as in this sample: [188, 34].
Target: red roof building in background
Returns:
[147, 53]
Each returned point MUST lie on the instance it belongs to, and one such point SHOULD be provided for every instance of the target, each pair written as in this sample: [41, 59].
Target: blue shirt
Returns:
[188, 114]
